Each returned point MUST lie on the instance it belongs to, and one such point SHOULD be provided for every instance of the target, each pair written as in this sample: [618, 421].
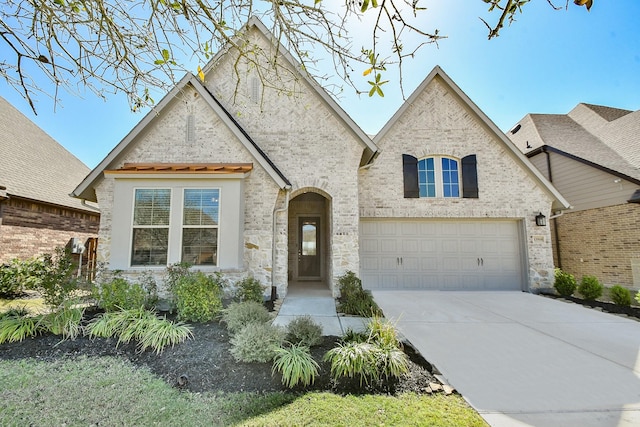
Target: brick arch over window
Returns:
[411, 175]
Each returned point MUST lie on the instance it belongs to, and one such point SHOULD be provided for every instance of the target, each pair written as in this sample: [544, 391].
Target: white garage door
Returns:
[446, 255]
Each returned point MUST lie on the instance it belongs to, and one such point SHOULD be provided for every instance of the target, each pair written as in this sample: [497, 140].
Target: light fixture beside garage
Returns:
[541, 220]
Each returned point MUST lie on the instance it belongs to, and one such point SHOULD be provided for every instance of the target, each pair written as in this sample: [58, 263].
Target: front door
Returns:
[309, 250]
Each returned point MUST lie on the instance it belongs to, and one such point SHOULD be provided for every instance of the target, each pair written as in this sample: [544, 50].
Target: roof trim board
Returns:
[183, 168]
[548, 148]
[512, 149]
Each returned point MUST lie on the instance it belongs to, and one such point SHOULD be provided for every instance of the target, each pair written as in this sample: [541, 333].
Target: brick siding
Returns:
[601, 242]
[28, 228]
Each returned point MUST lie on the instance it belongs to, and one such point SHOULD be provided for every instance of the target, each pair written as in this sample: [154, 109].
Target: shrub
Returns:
[379, 356]
[353, 359]
[174, 273]
[57, 282]
[65, 321]
[198, 297]
[19, 275]
[354, 336]
[257, 342]
[142, 325]
[303, 330]
[250, 289]
[638, 297]
[238, 315]
[14, 327]
[353, 299]
[119, 294]
[620, 295]
[296, 365]
[564, 283]
[590, 288]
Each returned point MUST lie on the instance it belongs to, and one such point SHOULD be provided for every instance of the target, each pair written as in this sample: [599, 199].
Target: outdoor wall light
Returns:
[541, 220]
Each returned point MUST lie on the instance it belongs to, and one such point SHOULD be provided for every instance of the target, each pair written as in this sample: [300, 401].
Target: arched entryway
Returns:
[308, 243]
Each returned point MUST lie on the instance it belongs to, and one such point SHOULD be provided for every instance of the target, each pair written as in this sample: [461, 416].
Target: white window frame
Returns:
[133, 226]
[217, 227]
[439, 181]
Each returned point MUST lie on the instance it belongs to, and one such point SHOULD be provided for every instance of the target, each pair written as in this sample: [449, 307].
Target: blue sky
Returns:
[546, 62]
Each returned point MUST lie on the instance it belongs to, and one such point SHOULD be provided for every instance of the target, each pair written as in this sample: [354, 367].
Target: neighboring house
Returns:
[592, 156]
[37, 174]
[235, 176]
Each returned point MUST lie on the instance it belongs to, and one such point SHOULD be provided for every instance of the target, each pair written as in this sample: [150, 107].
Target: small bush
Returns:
[304, 331]
[119, 294]
[65, 322]
[15, 327]
[198, 297]
[174, 273]
[590, 288]
[57, 282]
[353, 359]
[354, 336]
[18, 275]
[379, 356]
[296, 365]
[620, 295]
[353, 299]
[638, 297]
[257, 342]
[250, 289]
[141, 325]
[564, 283]
[238, 315]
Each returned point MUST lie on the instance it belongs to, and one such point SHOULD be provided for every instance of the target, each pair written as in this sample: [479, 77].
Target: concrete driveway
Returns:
[521, 359]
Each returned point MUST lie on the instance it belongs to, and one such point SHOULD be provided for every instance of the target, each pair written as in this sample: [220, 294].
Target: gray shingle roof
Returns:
[614, 146]
[33, 165]
[608, 113]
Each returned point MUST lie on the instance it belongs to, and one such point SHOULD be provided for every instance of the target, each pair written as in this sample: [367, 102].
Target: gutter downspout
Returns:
[556, 236]
[287, 193]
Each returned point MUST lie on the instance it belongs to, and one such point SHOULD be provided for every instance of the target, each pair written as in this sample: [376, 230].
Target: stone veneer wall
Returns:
[603, 242]
[438, 123]
[29, 228]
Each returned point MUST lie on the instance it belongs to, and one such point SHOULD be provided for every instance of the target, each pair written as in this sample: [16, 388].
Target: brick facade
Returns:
[320, 152]
[29, 228]
[438, 123]
[602, 242]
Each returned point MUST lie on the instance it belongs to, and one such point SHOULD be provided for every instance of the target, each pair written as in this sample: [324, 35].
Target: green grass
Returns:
[111, 391]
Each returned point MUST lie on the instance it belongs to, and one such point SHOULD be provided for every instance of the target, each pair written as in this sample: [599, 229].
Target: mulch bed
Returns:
[205, 363]
[609, 307]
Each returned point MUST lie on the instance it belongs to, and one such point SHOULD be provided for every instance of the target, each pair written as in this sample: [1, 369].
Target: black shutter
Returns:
[469, 177]
[410, 175]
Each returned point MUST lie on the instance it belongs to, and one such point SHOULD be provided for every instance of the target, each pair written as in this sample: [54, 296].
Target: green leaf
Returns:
[165, 54]
[374, 3]
[379, 91]
[372, 91]
[365, 6]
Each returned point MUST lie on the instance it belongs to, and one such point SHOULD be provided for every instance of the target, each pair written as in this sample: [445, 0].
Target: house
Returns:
[236, 176]
[37, 174]
[592, 156]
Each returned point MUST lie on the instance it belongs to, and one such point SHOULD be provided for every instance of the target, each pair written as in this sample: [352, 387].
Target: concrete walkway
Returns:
[322, 310]
[526, 360]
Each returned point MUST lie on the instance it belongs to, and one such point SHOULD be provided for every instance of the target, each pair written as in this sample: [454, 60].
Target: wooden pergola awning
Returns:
[183, 168]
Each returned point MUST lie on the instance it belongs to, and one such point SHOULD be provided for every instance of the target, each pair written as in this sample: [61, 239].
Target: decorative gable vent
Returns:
[191, 129]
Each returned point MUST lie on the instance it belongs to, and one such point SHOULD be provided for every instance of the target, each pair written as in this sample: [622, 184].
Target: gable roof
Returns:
[33, 165]
[371, 149]
[85, 189]
[608, 151]
[516, 154]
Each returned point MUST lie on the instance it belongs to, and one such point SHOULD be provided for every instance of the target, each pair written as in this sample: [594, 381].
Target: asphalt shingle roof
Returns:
[33, 165]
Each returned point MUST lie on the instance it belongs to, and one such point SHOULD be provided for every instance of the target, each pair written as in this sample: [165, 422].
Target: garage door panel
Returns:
[441, 254]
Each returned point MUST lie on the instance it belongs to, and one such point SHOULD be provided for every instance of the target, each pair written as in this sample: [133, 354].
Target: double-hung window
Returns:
[200, 219]
[438, 177]
[151, 214]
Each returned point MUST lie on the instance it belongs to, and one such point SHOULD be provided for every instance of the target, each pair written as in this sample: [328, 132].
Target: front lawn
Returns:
[112, 391]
